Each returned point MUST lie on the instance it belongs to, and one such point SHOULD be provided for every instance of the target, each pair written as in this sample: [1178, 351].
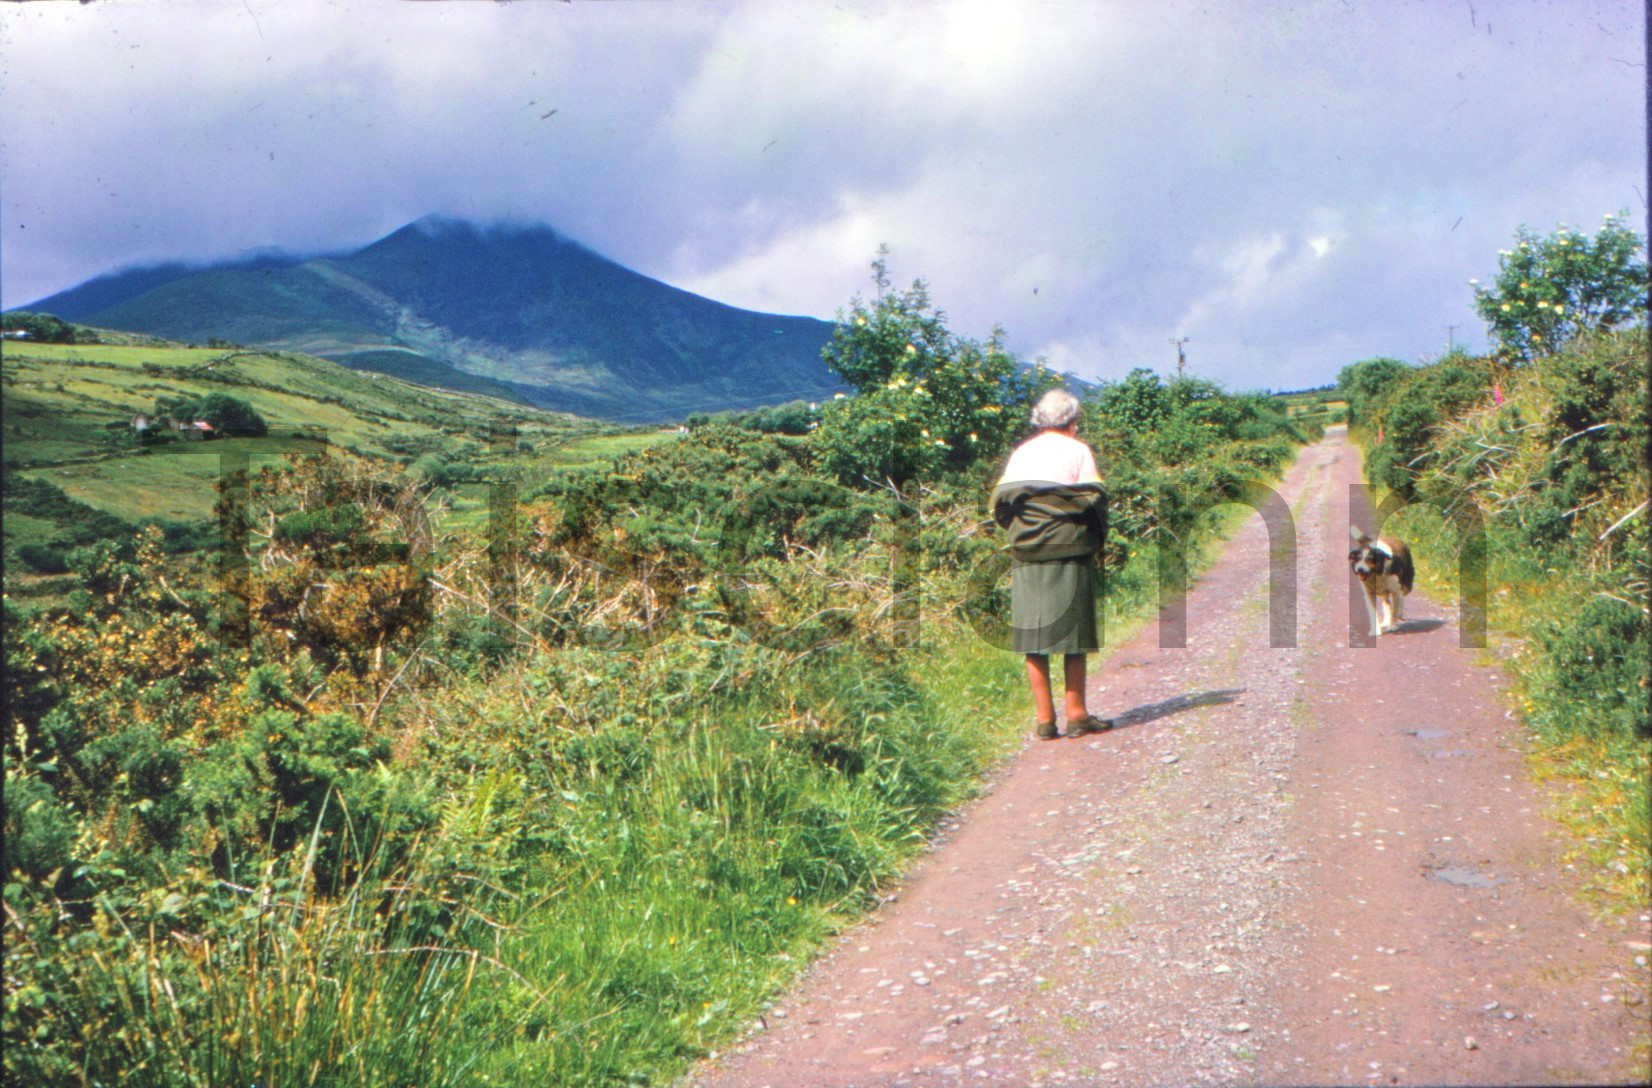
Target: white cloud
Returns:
[1280, 183]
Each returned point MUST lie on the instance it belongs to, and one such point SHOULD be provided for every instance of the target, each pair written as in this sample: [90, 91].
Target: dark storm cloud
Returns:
[1293, 188]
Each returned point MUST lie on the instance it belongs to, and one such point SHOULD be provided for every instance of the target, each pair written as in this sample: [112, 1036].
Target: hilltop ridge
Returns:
[518, 311]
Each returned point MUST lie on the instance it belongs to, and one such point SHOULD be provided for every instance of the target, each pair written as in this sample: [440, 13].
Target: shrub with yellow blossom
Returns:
[1550, 290]
[928, 401]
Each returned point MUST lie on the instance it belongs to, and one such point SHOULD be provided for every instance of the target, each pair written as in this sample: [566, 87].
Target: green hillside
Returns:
[76, 471]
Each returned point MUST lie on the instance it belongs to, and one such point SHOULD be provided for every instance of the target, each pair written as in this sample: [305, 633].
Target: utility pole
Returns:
[1451, 342]
[1181, 356]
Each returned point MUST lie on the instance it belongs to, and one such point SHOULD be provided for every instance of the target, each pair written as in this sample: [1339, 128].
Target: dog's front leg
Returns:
[1371, 613]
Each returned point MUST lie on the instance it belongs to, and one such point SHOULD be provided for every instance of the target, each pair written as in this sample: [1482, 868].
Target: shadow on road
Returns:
[1141, 715]
[1408, 627]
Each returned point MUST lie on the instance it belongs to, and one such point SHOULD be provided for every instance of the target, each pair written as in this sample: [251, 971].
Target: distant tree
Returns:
[1550, 290]
[794, 418]
[1366, 383]
[45, 328]
[228, 415]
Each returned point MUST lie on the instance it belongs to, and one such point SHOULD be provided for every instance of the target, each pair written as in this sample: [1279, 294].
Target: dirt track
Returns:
[1321, 864]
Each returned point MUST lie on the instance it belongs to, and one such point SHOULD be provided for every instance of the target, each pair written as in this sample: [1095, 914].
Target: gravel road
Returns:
[1313, 864]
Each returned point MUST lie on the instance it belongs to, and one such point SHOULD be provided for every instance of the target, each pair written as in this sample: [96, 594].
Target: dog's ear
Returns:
[1359, 537]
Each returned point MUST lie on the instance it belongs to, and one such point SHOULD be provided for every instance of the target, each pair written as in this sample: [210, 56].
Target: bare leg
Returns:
[1075, 669]
[1038, 676]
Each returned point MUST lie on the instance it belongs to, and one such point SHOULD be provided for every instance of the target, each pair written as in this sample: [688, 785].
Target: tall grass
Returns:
[597, 864]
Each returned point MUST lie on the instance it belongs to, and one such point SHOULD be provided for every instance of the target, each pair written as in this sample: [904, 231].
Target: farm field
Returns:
[68, 410]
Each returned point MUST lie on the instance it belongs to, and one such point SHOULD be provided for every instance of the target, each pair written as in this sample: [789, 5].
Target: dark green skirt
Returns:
[1053, 607]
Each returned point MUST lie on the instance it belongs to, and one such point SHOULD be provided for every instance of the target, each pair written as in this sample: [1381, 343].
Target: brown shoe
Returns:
[1086, 725]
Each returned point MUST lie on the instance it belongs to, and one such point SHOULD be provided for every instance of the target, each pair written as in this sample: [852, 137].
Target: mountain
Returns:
[516, 312]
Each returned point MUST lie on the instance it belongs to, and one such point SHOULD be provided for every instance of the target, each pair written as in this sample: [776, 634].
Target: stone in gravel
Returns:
[1000, 1011]
[1240, 1028]
[1170, 759]
[1469, 1043]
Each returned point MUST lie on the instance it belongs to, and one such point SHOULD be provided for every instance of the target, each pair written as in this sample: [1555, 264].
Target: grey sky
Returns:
[1292, 186]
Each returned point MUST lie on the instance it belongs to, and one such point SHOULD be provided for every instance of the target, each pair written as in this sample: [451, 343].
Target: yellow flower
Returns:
[791, 900]
[1505, 307]
[924, 433]
[912, 349]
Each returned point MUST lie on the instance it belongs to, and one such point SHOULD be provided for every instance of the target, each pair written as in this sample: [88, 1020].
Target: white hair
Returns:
[1057, 408]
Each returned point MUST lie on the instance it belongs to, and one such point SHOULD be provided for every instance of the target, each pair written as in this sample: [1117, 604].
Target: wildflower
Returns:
[1505, 307]
[925, 433]
[972, 437]
[1542, 305]
[791, 900]
[912, 349]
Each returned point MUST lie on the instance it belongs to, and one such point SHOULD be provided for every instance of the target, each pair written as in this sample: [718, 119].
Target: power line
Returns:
[1181, 356]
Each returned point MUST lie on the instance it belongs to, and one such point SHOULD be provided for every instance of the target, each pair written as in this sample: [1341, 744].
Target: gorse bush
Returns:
[1551, 290]
[928, 400]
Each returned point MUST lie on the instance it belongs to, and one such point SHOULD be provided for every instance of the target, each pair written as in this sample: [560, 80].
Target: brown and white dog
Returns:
[1383, 567]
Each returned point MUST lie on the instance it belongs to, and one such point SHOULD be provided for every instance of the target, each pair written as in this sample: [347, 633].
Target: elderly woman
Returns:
[1051, 500]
